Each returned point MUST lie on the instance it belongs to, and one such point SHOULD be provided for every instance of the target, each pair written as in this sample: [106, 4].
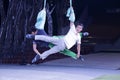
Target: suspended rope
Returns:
[70, 3]
[44, 3]
[70, 13]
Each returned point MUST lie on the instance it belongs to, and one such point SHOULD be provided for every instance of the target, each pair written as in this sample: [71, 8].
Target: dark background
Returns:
[101, 19]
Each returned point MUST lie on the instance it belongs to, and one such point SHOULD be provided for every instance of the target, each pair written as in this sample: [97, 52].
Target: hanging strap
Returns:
[41, 18]
[70, 13]
[70, 3]
[44, 3]
[69, 10]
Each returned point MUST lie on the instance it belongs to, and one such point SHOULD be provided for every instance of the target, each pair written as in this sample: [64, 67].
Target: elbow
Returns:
[34, 49]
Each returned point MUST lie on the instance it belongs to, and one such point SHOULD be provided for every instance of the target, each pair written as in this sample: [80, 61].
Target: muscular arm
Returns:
[72, 16]
[35, 49]
[78, 50]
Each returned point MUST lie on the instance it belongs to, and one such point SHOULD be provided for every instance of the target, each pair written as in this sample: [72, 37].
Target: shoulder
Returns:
[34, 42]
[79, 36]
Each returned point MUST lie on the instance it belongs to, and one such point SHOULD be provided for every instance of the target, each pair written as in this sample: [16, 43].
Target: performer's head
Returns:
[79, 27]
[33, 30]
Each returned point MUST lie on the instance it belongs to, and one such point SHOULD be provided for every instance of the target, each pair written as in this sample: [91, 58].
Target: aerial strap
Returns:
[41, 18]
[70, 13]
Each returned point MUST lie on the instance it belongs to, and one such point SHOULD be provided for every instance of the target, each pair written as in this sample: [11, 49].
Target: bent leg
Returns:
[59, 47]
[53, 50]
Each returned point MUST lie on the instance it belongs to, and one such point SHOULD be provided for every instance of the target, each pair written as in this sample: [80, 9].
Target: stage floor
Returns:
[42, 72]
[95, 65]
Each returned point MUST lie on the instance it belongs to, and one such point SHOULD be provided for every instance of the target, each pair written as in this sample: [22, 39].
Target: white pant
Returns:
[58, 42]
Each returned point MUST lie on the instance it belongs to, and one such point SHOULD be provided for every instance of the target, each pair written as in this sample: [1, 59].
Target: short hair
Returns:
[33, 29]
[78, 23]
